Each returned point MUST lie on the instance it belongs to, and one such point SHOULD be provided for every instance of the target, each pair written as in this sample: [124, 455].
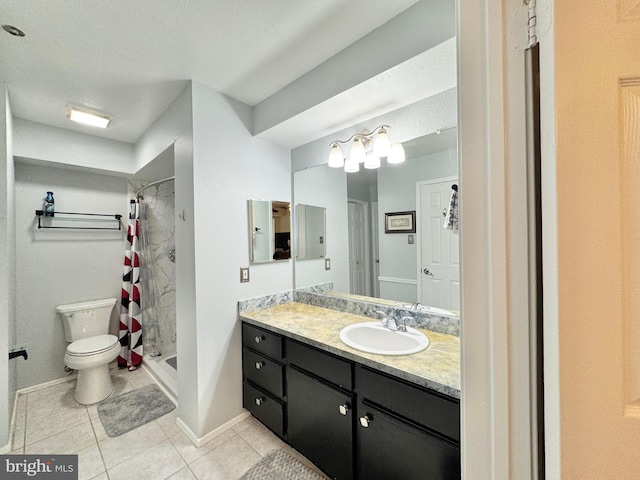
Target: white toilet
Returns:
[86, 326]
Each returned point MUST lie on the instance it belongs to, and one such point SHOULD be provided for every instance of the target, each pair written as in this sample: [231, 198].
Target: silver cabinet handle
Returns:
[364, 421]
[259, 401]
[427, 272]
[343, 409]
[259, 365]
[259, 338]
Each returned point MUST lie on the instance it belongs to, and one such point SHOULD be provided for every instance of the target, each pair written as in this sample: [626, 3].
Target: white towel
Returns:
[451, 217]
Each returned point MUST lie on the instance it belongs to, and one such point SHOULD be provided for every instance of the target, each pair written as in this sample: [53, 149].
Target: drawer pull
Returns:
[259, 365]
[259, 401]
[364, 421]
[344, 409]
[260, 338]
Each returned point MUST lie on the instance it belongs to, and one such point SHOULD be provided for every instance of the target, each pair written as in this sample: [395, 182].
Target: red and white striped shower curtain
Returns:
[130, 330]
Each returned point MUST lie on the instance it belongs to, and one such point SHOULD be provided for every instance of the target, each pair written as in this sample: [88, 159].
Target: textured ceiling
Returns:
[130, 59]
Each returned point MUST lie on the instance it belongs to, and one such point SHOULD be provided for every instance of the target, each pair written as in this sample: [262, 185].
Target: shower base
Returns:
[163, 372]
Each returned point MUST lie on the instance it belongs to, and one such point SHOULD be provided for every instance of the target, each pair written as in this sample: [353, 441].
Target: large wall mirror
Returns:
[310, 241]
[404, 267]
[269, 230]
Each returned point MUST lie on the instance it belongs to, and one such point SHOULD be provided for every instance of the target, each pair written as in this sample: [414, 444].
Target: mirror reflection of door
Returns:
[438, 261]
[358, 247]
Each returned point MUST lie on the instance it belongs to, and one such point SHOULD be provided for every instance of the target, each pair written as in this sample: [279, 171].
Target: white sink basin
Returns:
[372, 337]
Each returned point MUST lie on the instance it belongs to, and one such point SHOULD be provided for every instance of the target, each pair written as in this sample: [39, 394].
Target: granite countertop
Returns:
[437, 367]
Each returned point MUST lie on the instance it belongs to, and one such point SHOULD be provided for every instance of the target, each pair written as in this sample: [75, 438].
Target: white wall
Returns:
[66, 147]
[326, 187]
[229, 167]
[56, 267]
[7, 268]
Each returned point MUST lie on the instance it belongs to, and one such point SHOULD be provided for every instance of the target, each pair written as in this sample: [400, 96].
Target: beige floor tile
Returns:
[21, 423]
[190, 452]
[228, 461]
[90, 462]
[184, 474]
[119, 449]
[102, 476]
[156, 463]
[168, 423]
[261, 439]
[45, 420]
[68, 441]
[98, 428]
[246, 423]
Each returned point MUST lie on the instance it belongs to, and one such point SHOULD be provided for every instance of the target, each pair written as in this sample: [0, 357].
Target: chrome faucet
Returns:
[391, 323]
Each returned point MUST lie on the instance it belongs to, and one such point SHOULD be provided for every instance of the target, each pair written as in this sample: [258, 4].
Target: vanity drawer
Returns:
[264, 407]
[263, 341]
[321, 364]
[264, 372]
[437, 412]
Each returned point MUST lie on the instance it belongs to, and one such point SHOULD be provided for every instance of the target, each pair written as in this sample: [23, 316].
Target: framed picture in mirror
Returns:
[400, 222]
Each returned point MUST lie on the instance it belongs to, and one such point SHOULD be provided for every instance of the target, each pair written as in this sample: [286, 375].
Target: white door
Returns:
[438, 253]
[375, 244]
[358, 258]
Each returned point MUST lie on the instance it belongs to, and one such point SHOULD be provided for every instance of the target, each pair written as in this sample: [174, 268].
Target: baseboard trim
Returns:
[198, 442]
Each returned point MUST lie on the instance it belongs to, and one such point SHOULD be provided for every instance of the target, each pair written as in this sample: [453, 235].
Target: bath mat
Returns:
[279, 465]
[173, 361]
[123, 413]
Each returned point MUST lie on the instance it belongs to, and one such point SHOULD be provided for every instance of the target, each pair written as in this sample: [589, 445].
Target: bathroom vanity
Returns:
[355, 415]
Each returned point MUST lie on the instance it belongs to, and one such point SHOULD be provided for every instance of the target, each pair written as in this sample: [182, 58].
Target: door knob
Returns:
[259, 365]
[427, 272]
[259, 401]
[343, 409]
[259, 339]
[364, 421]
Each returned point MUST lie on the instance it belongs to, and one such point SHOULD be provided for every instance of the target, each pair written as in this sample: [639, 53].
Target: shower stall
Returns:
[158, 279]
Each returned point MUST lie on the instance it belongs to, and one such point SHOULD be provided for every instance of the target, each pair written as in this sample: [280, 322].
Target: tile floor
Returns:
[51, 421]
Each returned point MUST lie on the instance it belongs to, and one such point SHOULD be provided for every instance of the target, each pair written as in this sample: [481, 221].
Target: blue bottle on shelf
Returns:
[49, 205]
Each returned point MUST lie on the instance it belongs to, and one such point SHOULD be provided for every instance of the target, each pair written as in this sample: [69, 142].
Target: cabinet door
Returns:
[389, 448]
[320, 423]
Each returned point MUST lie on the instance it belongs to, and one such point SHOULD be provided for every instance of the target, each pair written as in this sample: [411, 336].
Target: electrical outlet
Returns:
[244, 274]
[410, 239]
[327, 264]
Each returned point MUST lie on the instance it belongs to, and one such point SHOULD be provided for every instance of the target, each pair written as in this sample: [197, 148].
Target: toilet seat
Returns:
[91, 345]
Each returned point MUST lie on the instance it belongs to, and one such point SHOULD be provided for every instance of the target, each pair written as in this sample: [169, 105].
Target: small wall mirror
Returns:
[269, 230]
[311, 232]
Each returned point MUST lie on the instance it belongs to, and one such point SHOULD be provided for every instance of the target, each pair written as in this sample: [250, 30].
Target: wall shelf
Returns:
[79, 217]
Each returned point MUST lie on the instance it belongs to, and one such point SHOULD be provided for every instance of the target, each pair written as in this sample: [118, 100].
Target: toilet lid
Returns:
[92, 345]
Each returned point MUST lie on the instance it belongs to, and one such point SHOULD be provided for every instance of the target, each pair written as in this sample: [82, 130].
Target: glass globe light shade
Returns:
[372, 161]
[351, 166]
[336, 158]
[358, 153]
[396, 155]
[382, 144]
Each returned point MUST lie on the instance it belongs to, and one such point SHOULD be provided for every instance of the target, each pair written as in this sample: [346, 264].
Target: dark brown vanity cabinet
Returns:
[320, 408]
[263, 392]
[405, 431]
[350, 420]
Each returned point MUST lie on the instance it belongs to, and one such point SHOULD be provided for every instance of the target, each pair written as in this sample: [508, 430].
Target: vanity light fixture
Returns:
[89, 118]
[359, 151]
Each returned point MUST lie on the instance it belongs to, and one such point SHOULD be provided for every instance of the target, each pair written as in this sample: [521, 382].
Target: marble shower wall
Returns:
[158, 273]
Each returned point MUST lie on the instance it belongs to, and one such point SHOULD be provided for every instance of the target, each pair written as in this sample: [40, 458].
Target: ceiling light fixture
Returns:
[360, 153]
[89, 118]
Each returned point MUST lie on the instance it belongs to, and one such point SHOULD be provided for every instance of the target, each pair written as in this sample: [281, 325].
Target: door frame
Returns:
[367, 244]
[418, 235]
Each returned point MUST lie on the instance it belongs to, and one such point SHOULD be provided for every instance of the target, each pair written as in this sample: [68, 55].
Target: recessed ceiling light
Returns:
[15, 31]
[88, 118]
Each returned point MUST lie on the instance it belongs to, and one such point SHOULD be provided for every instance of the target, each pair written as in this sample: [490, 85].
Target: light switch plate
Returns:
[327, 264]
[244, 274]
[410, 239]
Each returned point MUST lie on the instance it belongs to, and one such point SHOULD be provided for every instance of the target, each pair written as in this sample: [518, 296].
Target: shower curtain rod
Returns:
[157, 182]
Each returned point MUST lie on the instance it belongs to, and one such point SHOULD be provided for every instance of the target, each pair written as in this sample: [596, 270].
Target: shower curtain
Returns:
[130, 330]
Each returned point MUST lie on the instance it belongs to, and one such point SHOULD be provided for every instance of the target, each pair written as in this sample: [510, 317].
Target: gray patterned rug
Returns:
[279, 465]
[122, 413]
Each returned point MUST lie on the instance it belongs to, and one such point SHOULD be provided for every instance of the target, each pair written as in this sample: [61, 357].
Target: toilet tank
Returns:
[86, 319]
